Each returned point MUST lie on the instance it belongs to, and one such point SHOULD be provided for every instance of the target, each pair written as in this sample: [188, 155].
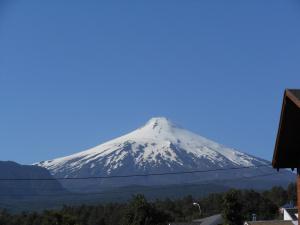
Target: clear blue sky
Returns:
[74, 74]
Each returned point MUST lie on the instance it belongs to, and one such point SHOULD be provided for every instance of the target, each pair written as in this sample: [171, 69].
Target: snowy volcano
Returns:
[160, 146]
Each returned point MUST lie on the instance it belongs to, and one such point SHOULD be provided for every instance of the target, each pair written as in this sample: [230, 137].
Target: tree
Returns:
[141, 212]
[292, 193]
[277, 195]
[232, 208]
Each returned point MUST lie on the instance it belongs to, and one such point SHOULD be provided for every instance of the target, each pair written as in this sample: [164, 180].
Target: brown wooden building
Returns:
[287, 148]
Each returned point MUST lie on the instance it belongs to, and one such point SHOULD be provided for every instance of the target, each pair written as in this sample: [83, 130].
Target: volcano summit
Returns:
[160, 146]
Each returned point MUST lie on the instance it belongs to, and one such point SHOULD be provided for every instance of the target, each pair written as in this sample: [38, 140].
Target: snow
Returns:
[158, 143]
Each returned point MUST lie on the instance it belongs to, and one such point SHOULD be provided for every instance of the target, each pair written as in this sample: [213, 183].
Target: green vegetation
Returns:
[235, 205]
[232, 208]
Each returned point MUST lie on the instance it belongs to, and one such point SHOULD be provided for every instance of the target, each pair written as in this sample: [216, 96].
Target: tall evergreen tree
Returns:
[141, 212]
[232, 208]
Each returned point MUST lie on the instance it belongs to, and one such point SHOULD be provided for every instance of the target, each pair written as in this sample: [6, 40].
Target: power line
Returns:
[147, 189]
[133, 175]
[178, 186]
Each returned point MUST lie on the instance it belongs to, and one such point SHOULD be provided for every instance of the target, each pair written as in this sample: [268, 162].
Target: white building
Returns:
[290, 214]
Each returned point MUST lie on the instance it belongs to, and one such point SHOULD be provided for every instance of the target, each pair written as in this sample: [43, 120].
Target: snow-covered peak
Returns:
[157, 129]
[159, 122]
[163, 130]
[159, 144]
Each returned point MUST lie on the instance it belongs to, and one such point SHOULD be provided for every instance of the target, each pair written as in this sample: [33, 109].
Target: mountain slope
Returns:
[159, 146]
[26, 188]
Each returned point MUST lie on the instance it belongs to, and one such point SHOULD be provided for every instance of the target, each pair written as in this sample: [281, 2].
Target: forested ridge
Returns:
[140, 211]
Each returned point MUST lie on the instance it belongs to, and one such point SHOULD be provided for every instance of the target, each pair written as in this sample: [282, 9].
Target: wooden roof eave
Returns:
[288, 97]
[292, 97]
[275, 155]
